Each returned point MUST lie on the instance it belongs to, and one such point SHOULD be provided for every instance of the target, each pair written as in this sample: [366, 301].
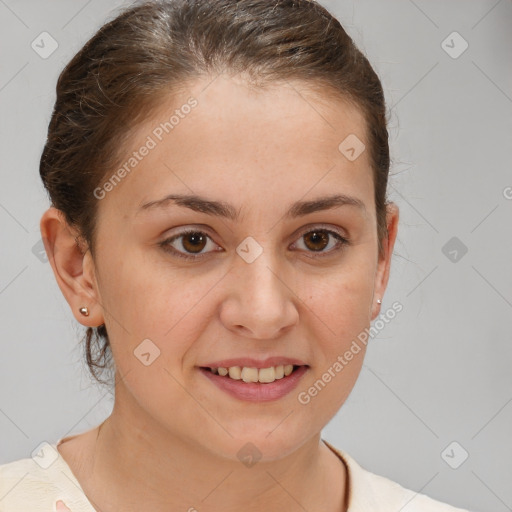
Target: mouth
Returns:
[252, 384]
[249, 374]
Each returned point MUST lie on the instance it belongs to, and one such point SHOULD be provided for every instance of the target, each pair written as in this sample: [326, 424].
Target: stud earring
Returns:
[84, 311]
[379, 301]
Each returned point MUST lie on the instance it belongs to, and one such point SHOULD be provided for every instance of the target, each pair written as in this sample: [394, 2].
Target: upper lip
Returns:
[250, 362]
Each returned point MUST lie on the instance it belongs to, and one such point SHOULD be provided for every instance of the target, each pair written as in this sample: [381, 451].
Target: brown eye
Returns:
[194, 242]
[189, 245]
[322, 241]
[316, 240]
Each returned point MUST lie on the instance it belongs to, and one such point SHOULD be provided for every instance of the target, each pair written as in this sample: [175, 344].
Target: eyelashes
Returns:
[194, 241]
[194, 236]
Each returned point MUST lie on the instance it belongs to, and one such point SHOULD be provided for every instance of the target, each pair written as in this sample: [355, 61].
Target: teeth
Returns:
[267, 374]
[235, 372]
[250, 374]
[264, 375]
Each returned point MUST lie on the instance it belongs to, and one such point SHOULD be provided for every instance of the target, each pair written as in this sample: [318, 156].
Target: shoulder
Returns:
[368, 491]
[22, 484]
[37, 483]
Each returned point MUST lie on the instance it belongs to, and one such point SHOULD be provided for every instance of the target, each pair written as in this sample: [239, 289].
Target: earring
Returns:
[84, 311]
[379, 301]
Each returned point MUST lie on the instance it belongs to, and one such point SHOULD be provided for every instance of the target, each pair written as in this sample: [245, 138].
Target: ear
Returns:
[72, 266]
[384, 263]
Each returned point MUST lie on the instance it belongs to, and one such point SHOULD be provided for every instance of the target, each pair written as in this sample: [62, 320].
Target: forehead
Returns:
[222, 137]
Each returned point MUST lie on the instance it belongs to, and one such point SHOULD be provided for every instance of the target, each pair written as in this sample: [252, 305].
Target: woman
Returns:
[217, 172]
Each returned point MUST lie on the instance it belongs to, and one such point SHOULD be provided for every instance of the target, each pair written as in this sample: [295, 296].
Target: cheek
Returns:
[169, 307]
[342, 299]
[341, 314]
[328, 389]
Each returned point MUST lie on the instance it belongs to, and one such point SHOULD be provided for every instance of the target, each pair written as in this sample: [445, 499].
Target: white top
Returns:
[45, 483]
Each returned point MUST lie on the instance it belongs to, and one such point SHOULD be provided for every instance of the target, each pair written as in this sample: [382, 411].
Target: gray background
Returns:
[441, 371]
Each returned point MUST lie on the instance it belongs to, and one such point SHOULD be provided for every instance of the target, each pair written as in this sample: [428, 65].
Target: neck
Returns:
[141, 466]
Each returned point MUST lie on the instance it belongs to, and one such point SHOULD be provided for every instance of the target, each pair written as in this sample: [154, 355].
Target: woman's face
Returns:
[264, 276]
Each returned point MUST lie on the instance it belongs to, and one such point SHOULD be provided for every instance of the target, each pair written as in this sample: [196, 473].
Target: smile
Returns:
[248, 374]
[256, 384]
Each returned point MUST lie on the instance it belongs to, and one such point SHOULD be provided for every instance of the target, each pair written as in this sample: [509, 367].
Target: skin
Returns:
[172, 439]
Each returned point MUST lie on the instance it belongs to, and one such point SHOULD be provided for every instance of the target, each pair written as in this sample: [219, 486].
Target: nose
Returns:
[260, 303]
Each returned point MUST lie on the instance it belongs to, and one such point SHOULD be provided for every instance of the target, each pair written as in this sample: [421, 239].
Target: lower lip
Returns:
[257, 391]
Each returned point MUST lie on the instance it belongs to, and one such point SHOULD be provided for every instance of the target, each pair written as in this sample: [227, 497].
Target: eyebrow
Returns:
[228, 211]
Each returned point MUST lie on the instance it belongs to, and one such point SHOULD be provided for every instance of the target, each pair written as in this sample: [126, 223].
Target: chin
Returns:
[263, 444]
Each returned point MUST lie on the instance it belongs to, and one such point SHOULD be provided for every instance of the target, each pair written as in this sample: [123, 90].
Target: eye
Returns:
[191, 244]
[191, 241]
[318, 239]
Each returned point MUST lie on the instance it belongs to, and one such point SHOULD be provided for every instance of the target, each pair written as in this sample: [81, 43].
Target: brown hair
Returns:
[152, 49]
